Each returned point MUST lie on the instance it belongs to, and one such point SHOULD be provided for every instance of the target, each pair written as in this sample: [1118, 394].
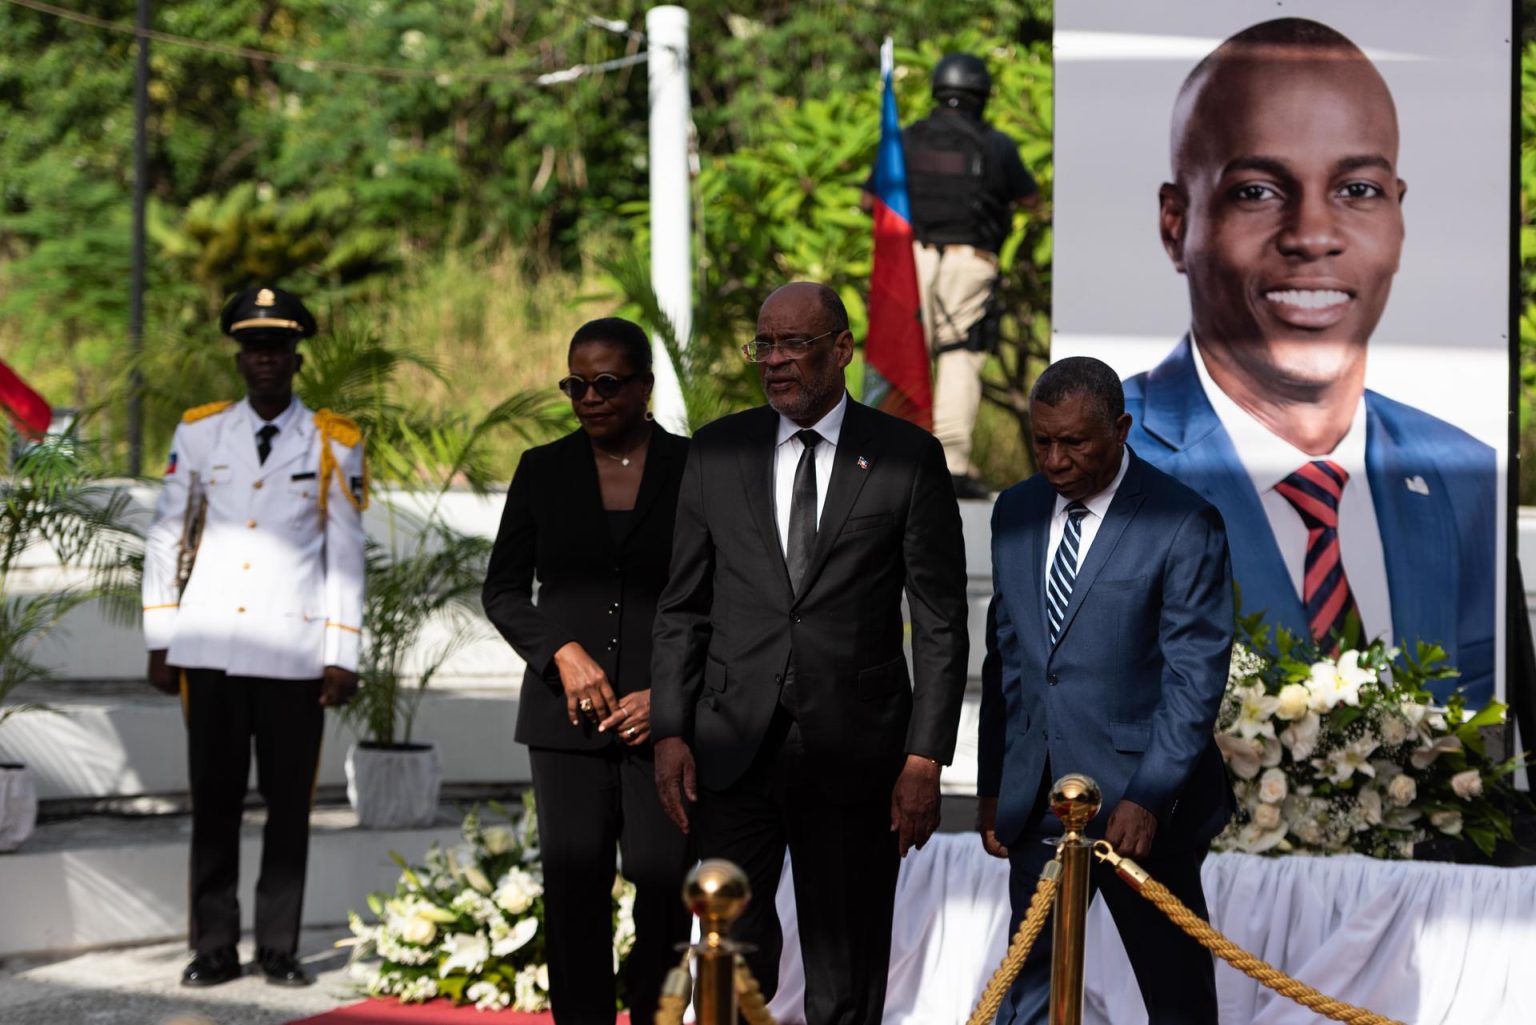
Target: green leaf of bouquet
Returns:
[1485, 838]
[442, 916]
[453, 987]
[376, 904]
[1491, 714]
[1343, 715]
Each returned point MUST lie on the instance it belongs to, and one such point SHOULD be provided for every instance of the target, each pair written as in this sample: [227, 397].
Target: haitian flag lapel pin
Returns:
[863, 463]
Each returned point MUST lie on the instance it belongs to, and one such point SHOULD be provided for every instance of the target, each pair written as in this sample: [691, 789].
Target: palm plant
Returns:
[54, 508]
[421, 572]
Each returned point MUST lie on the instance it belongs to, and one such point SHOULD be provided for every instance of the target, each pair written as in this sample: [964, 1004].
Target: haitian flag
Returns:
[896, 374]
[26, 408]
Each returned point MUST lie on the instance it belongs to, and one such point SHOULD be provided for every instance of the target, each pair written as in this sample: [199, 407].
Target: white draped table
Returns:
[1426, 943]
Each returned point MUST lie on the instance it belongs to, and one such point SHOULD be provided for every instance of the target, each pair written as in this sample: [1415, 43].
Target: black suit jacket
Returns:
[591, 591]
[728, 623]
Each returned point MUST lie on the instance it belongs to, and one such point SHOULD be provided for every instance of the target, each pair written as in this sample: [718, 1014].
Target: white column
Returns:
[666, 30]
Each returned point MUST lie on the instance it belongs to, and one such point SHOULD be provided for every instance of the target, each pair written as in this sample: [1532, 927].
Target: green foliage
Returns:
[1527, 263]
[54, 508]
[784, 205]
[424, 574]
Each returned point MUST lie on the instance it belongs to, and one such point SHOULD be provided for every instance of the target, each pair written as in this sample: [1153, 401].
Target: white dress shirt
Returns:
[284, 421]
[1098, 506]
[1269, 459]
[786, 456]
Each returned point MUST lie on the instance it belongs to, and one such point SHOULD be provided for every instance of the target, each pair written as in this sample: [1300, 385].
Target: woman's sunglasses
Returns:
[605, 385]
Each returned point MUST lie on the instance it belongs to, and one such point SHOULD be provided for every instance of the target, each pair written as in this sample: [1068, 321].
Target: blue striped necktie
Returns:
[1058, 585]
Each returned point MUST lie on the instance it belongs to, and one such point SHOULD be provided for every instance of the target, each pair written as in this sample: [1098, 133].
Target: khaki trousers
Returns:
[953, 285]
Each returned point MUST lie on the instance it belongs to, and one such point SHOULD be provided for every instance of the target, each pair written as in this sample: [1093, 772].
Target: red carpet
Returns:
[385, 1011]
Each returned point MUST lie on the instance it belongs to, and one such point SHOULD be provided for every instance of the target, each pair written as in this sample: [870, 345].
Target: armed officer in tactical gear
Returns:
[253, 603]
[964, 180]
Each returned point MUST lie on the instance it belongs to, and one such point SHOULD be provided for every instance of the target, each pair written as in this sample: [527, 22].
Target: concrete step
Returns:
[105, 880]
[102, 880]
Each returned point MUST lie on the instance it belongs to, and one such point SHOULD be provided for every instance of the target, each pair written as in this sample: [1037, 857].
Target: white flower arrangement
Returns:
[467, 925]
[1331, 755]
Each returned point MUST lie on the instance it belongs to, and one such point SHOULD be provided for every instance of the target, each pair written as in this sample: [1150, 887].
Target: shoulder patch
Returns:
[206, 410]
[338, 428]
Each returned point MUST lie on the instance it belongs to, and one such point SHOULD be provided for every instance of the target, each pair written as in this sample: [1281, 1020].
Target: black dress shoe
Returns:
[212, 968]
[282, 969]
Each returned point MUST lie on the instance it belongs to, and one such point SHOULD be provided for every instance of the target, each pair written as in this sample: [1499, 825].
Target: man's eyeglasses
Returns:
[760, 350]
[606, 385]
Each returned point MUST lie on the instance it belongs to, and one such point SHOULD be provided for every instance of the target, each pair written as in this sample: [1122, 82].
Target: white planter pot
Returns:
[394, 788]
[18, 805]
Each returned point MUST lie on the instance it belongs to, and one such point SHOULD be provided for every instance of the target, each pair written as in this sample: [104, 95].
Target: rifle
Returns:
[192, 519]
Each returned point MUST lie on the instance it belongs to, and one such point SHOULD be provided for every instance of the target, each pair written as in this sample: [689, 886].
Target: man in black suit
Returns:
[781, 701]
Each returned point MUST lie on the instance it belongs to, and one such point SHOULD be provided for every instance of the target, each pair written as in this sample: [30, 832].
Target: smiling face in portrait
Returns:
[804, 389]
[1286, 212]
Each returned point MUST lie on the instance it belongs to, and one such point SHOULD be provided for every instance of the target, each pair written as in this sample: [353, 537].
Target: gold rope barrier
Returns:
[1018, 950]
[675, 992]
[754, 1007]
[1260, 971]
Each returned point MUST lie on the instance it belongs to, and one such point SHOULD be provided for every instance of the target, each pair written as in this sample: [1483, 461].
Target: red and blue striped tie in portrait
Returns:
[1314, 491]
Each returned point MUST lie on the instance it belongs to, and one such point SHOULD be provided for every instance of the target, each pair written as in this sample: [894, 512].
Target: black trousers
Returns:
[225, 714]
[845, 859]
[590, 802]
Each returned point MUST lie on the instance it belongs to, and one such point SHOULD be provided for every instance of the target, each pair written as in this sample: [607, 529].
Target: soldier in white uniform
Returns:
[265, 633]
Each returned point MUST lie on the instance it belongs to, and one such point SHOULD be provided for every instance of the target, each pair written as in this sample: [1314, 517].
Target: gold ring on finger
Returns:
[585, 704]
[631, 731]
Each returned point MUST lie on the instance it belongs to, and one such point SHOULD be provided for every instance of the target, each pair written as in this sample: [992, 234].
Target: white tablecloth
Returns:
[1428, 944]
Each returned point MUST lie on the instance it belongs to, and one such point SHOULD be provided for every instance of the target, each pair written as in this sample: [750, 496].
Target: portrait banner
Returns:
[1287, 227]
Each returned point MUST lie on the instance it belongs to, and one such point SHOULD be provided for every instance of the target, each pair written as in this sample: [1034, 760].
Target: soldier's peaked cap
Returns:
[265, 311]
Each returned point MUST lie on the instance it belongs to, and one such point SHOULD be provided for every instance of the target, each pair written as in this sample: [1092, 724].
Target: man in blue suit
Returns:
[1108, 642]
[1285, 215]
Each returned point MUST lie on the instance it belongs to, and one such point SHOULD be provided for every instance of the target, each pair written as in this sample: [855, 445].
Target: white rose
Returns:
[1467, 784]
[1402, 790]
[418, 930]
[498, 840]
[1267, 816]
[1293, 701]
[1255, 840]
[515, 892]
[1273, 787]
[1448, 822]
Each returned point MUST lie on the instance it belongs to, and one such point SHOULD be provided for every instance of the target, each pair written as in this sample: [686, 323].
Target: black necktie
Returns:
[1058, 586]
[802, 511]
[264, 441]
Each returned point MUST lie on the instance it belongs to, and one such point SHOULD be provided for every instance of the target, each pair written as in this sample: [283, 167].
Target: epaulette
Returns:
[335, 427]
[206, 410]
[338, 428]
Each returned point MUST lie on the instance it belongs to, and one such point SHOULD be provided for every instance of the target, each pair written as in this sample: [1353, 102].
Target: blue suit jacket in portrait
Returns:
[1130, 692]
[1433, 487]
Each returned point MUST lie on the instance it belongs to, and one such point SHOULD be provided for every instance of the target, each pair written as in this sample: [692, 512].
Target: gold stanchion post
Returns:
[717, 892]
[1075, 800]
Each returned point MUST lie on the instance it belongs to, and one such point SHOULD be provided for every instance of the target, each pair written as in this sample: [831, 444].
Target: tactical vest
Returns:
[951, 185]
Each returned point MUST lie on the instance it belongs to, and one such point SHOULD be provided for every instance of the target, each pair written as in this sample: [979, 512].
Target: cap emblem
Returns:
[266, 298]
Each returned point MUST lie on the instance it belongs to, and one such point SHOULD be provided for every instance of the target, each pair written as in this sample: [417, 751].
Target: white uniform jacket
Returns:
[277, 588]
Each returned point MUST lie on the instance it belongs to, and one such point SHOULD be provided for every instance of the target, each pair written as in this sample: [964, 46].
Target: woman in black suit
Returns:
[591, 516]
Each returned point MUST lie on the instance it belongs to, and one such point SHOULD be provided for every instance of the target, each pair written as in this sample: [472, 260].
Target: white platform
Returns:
[104, 881]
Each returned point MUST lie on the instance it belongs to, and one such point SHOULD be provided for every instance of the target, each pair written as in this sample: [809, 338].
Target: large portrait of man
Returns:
[1358, 501]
